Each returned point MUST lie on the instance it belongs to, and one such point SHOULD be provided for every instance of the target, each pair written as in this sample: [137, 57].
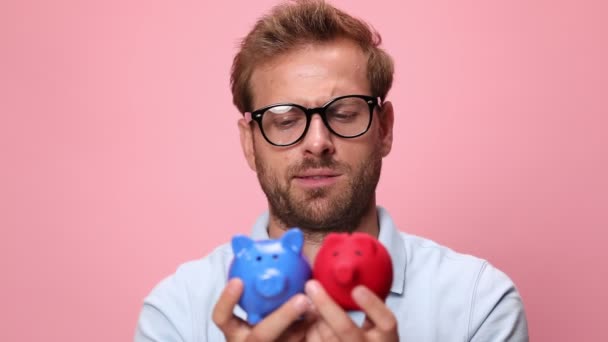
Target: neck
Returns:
[312, 240]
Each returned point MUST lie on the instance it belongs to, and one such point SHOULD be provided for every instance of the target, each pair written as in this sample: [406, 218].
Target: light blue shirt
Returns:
[436, 295]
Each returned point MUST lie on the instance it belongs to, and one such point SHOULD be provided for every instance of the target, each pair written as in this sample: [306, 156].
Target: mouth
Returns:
[316, 178]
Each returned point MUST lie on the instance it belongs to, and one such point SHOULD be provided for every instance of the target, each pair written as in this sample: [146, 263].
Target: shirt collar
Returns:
[389, 237]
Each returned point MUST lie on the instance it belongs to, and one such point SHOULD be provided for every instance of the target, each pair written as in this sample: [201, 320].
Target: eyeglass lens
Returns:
[347, 117]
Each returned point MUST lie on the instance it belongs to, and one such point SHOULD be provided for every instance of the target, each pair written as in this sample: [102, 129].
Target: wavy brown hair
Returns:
[299, 22]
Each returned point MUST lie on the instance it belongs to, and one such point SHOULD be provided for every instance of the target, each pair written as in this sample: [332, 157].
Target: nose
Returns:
[270, 284]
[318, 140]
[345, 273]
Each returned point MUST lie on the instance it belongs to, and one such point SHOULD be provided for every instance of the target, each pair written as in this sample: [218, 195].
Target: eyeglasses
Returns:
[285, 124]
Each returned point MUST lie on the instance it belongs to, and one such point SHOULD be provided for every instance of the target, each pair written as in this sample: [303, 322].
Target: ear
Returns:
[334, 238]
[386, 118]
[366, 241]
[293, 239]
[246, 134]
[241, 243]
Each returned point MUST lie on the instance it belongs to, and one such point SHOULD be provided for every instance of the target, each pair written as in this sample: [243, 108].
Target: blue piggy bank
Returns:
[272, 272]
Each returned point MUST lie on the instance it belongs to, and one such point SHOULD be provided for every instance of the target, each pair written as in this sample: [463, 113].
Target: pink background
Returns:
[120, 154]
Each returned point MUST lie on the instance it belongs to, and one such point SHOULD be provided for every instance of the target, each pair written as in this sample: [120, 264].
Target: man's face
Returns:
[323, 182]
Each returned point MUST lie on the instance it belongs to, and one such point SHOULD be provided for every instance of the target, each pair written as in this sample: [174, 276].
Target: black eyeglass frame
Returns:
[257, 115]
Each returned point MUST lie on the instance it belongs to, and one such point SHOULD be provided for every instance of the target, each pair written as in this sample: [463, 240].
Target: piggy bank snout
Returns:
[345, 273]
[271, 284]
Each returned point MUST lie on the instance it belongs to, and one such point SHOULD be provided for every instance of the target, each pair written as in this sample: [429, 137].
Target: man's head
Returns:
[309, 53]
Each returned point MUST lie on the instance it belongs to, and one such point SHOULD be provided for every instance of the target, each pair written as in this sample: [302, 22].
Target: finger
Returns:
[312, 335]
[320, 332]
[375, 309]
[367, 324]
[325, 332]
[298, 330]
[339, 322]
[275, 324]
[222, 314]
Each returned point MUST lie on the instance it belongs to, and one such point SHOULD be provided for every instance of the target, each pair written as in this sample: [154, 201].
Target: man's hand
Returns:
[334, 324]
[283, 324]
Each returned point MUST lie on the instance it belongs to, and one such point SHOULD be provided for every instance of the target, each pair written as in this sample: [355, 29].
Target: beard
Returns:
[335, 208]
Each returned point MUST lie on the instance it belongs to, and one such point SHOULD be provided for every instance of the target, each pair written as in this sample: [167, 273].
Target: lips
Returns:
[316, 178]
[317, 174]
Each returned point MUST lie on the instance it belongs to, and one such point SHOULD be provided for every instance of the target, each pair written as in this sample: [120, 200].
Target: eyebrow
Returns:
[312, 104]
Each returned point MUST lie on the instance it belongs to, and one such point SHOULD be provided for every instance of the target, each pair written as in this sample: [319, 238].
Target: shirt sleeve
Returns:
[497, 310]
[165, 315]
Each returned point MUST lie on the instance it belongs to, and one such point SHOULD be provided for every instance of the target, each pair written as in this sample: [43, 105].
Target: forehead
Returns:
[311, 74]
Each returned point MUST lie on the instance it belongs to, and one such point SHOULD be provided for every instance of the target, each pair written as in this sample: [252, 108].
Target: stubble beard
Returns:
[322, 210]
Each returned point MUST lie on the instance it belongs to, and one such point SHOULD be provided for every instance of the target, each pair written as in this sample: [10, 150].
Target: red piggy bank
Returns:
[347, 260]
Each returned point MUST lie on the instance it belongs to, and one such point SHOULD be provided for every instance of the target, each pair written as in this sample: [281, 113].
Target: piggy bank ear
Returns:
[293, 240]
[365, 241]
[241, 243]
[334, 238]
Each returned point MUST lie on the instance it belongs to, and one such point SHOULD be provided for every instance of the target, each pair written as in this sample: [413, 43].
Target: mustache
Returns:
[309, 163]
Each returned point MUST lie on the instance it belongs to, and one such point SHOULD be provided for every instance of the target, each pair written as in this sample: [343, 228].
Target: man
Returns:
[311, 82]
